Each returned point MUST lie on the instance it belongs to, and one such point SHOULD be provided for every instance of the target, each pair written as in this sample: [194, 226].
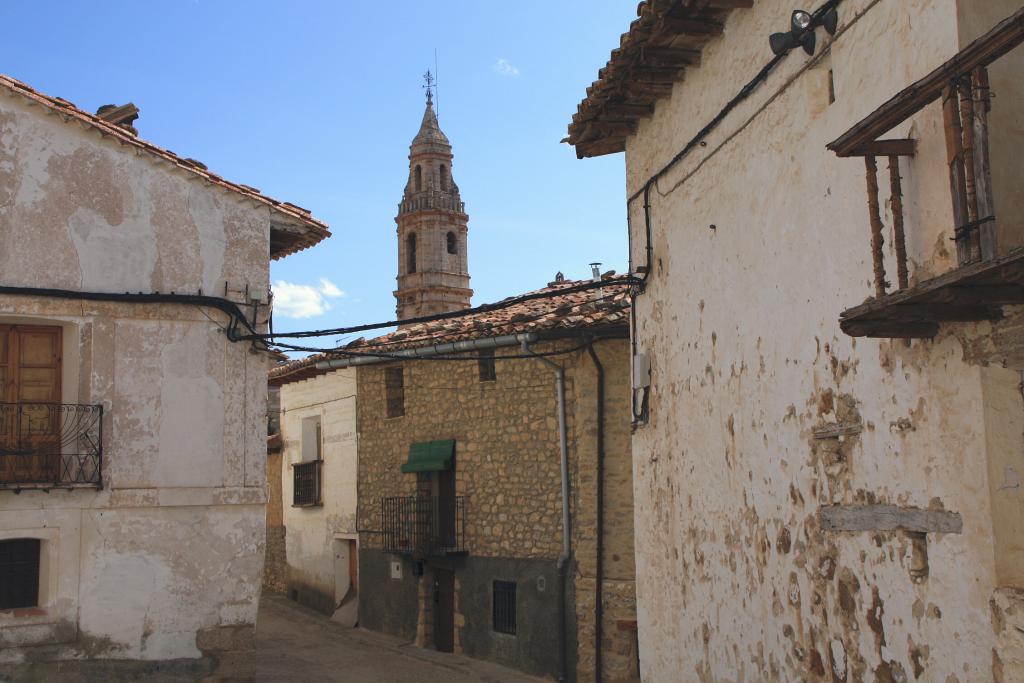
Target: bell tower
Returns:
[433, 268]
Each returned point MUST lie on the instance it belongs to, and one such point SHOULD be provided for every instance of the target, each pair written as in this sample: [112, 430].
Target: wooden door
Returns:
[444, 609]
[30, 389]
[444, 495]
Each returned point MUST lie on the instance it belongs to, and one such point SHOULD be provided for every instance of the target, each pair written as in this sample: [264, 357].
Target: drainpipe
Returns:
[563, 559]
[599, 564]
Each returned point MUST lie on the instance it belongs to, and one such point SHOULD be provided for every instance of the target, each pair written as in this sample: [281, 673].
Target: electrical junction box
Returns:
[258, 294]
[396, 569]
[641, 371]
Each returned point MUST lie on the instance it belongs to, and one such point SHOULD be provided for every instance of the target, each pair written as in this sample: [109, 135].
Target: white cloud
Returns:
[503, 67]
[328, 288]
[304, 301]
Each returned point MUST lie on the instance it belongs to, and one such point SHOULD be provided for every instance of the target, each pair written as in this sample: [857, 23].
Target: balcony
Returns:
[424, 526]
[985, 279]
[50, 445]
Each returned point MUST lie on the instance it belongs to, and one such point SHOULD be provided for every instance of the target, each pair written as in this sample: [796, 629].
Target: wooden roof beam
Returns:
[668, 56]
[690, 27]
[1006, 36]
[731, 4]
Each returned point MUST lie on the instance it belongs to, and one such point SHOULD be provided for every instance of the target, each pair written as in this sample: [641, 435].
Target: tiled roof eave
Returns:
[557, 317]
[314, 229]
[665, 40]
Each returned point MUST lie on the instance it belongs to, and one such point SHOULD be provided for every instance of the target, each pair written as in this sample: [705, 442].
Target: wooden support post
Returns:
[876, 226]
[954, 158]
[899, 238]
[967, 133]
[982, 166]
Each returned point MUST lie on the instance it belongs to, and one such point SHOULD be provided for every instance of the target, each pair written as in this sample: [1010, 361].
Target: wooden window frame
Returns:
[487, 371]
[394, 391]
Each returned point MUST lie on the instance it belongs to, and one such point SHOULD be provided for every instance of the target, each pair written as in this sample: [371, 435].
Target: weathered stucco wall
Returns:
[507, 468]
[737, 580]
[312, 531]
[164, 562]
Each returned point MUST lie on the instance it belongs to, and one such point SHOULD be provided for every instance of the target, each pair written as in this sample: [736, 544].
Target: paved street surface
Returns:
[297, 644]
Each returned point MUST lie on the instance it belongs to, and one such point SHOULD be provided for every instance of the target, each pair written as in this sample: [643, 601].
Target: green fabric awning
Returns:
[430, 456]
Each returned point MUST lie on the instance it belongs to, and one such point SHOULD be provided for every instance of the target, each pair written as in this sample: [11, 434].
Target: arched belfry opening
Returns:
[410, 253]
[433, 273]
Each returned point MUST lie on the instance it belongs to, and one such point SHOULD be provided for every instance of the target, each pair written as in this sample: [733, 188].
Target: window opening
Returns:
[307, 483]
[394, 391]
[504, 612]
[312, 439]
[19, 573]
[419, 177]
[444, 177]
[485, 365]
[453, 244]
[410, 253]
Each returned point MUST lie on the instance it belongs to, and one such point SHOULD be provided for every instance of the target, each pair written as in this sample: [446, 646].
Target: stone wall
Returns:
[507, 468]
[275, 565]
[737, 577]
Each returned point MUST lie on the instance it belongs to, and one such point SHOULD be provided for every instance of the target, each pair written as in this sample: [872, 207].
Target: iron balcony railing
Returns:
[424, 526]
[50, 445]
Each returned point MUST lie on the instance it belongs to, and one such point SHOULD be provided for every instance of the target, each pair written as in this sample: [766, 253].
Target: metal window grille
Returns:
[394, 390]
[306, 490]
[485, 364]
[50, 445]
[504, 614]
[19, 573]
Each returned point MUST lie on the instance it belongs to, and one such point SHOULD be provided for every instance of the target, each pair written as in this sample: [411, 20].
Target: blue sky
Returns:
[316, 103]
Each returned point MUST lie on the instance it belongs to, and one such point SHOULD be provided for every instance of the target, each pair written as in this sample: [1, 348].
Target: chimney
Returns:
[595, 271]
[123, 116]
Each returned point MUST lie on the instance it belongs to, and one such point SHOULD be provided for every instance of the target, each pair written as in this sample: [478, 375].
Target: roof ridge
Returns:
[187, 164]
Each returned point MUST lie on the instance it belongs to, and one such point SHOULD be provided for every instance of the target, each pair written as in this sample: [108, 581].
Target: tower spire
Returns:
[433, 269]
[429, 81]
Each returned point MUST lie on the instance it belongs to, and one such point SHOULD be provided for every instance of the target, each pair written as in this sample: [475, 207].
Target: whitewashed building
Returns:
[829, 427]
[132, 426]
[318, 484]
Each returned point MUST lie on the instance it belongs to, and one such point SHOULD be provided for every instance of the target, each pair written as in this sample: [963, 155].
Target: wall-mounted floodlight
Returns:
[801, 32]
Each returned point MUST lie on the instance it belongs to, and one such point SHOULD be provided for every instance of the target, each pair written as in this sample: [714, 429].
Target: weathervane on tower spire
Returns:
[429, 79]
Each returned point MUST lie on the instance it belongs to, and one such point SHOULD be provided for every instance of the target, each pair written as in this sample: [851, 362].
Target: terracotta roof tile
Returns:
[590, 309]
[307, 231]
[664, 39]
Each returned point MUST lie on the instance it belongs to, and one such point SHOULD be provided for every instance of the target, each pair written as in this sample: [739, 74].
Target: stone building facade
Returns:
[433, 260]
[495, 568]
[132, 429]
[820, 499]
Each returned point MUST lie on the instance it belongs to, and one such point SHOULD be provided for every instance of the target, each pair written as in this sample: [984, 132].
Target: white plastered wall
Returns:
[310, 532]
[172, 545]
[735, 579]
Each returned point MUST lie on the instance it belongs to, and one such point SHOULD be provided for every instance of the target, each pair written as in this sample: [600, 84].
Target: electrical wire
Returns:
[238, 319]
[698, 139]
[483, 308]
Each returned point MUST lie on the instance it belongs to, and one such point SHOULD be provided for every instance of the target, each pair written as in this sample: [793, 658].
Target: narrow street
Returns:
[297, 644]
